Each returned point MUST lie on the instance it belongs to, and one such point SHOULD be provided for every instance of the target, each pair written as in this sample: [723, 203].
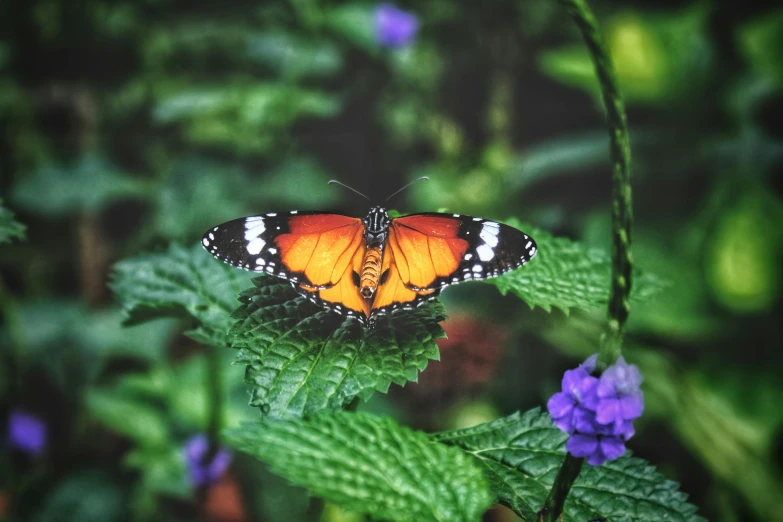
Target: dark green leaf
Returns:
[283, 185]
[90, 496]
[760, 43]
[566, 275]
[371, 465]
[571, 154]
[522, 454]
[87, 184]
[198, 193]
[301, 358]
[72, 343]
[9, 227]
[268, 496]
[180, 281]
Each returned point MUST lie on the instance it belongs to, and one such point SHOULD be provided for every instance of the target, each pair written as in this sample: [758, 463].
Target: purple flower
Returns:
[598, 413]
[597, 449]
[201, 471]
[578, 394]
[394, 27]
[26, 432]
[619, 393]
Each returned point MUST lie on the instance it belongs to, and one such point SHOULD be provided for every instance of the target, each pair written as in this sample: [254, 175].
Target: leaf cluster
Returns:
[305, 364]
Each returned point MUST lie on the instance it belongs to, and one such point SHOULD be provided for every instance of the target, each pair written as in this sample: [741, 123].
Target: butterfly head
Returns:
[376, 226]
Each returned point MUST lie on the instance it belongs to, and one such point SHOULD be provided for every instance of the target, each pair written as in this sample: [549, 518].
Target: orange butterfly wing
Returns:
[343, 296]
[322, 254]
[427, 249]
[393, 293]
[318, 248]
[326, 249]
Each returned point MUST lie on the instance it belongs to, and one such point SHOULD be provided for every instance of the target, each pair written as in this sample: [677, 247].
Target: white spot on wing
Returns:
[485, 252]
[477, 268]
[255, 246]
[490, 234]
[254, 227]
[211, 236]
[468, 257]
[205, 242]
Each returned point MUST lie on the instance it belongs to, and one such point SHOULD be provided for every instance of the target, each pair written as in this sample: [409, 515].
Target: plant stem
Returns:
[214, 385]
[622, 219]
[619, 144]
[553, 505]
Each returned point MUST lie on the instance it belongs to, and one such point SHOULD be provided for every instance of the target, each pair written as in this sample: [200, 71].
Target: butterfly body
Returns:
[365, 268]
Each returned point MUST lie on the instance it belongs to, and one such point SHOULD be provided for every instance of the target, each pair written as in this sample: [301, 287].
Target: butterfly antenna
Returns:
[408, 185]
[346, 186]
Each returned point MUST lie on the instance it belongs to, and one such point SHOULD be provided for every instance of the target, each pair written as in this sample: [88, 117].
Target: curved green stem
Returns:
[622, 219]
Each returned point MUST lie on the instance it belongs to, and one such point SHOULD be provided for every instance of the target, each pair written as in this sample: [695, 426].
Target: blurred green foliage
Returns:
[126, 127]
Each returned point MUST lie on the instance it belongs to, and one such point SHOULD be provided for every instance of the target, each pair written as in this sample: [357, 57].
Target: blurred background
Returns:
[127, 126]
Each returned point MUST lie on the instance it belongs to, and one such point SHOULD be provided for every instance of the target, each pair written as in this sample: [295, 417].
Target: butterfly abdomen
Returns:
[371, 271]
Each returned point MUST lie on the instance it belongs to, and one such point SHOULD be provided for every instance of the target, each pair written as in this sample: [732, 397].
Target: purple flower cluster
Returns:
[26, 432]
[202, 471]
[394, 27]
[598, 413]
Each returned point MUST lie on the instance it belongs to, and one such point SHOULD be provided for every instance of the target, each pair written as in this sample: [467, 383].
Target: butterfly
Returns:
[366, 268]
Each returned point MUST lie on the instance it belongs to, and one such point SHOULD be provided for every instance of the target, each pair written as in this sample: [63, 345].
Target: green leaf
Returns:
[354, 22]
[9, 227]
[283, 185]
[728, 415]
[267, 496]
[88, 184]
[301, 358]
[522, 454]
[91, 338]
[571, 154]
[188, 398]
[163, 470]
[89, 496]
[761, 43]
[199, 193]
[566, 275]
[248, 118]
[293, 57]
[134, 418]
[658, 57]
[180, 281]
[370, 465]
